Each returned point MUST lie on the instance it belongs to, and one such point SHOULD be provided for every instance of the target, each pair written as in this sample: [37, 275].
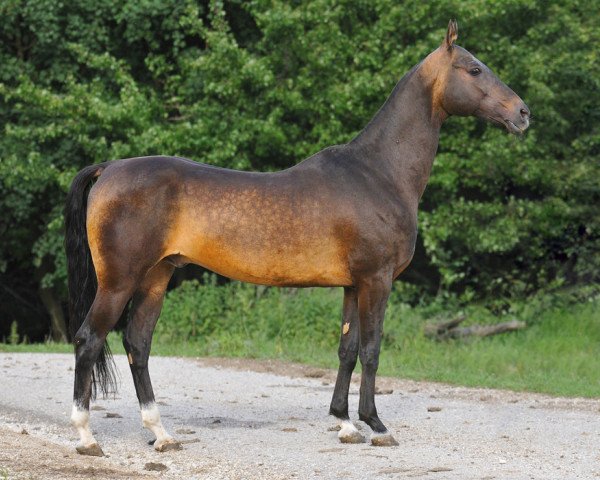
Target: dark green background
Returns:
[261, 85]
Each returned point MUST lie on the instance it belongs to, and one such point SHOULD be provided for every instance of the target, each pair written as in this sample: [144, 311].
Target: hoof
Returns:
[353, 437]
[383, 440]
[167, 445]
[92, 450]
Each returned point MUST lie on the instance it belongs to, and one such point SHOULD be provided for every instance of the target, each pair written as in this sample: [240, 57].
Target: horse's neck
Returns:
[401, 140]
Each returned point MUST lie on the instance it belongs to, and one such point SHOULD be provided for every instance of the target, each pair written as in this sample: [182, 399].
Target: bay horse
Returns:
[345, 217]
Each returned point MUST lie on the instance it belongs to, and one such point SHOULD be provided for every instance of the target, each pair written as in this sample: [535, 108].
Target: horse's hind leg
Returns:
[146, 306]
[348, 354]
[89, 341]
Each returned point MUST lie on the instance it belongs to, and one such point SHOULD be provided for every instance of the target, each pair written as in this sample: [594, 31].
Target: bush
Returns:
[230, 313]
[261, 85]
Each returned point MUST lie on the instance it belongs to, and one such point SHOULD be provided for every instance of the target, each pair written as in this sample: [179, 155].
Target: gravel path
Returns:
[243, 419]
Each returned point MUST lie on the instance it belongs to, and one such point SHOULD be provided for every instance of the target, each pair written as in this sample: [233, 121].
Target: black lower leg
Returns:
[90, 338]
[372, 301]
[367, 411]
[347, 353]
[137, 346]
[141, 381]
[145, 310]
[87, 349]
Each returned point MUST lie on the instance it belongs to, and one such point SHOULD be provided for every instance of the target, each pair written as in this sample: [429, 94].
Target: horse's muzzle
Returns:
[520, 121]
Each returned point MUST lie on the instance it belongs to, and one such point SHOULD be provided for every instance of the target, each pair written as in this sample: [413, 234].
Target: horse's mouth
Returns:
[512, 128]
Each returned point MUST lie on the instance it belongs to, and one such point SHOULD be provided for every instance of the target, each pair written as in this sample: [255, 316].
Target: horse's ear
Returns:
[451, 34]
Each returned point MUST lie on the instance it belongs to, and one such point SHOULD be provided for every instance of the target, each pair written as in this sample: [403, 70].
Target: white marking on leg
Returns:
[151, 421]
[347, 429]
[80, 418]
[349, 433]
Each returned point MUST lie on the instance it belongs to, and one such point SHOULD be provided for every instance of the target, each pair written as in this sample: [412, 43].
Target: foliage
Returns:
[261, 85]
[237, 314]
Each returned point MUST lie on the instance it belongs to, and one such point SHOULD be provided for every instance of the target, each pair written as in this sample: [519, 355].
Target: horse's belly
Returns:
[282, 257]
[265, 271]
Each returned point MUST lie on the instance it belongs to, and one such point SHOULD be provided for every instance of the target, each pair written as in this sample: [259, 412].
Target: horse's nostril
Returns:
[524, 112]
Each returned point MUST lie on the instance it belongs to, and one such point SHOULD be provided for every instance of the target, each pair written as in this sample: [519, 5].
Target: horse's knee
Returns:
[348, 356]
[369, 359]
[137, 347]
[348, 350]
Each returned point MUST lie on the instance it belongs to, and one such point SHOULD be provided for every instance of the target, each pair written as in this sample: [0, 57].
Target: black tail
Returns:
[81, 273]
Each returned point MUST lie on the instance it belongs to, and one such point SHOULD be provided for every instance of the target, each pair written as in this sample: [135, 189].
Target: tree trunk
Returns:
[58, 326]
[449, 329]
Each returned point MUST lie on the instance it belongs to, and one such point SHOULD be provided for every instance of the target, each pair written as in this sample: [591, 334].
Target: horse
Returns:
[344, 217]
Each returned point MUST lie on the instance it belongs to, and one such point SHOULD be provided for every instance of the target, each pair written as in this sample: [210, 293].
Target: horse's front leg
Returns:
[373, 294]
[348, 354]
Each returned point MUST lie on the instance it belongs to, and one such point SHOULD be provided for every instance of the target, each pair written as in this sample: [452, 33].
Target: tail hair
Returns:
[81, 274]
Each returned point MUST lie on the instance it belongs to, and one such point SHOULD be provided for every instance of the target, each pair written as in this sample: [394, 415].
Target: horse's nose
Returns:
[525, 116]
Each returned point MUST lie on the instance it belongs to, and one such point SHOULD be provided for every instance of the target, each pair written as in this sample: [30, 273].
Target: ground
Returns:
[246, 419]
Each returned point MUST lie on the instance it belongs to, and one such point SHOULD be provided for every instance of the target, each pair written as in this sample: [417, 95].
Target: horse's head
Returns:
[465, 86]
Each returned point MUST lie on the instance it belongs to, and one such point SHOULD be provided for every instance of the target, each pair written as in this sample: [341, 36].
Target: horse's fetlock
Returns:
[371, 418]
[339, 409]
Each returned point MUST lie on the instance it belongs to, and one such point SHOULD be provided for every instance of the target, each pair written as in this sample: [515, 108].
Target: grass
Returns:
[557, 354]
[46, 347]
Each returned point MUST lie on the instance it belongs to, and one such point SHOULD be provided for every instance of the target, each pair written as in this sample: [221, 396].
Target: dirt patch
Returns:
[266, 419]
[32, 458]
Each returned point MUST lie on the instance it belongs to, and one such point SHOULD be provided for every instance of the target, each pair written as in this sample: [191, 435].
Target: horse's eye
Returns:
[475, 71]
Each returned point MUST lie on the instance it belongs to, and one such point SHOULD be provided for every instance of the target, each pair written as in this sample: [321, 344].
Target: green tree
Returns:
[262, 85]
